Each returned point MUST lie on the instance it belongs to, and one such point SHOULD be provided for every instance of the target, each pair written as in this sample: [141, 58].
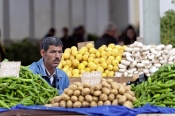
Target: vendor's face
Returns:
[52, 56]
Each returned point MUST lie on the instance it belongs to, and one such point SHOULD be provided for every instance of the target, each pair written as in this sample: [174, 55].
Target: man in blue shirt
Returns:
[51, 52]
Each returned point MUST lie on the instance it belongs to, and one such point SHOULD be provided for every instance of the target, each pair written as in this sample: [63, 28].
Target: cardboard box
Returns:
[81, 44]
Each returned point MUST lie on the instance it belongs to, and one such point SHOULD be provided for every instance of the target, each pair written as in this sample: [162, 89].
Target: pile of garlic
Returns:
[138, 59]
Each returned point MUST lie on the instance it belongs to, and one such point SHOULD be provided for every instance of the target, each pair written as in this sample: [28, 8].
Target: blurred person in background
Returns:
[51, 33]
[129, 36]
[108, 37]
[81, 32]
[66, 40]
[78, 35]
[2, 53]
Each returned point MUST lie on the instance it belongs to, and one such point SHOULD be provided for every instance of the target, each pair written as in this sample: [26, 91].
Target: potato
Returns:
[77, 92]
[81, 98]
[95, 99]
[80, 88]
[74, 98]
[103, 97]
[124, 84]
[93, 104]
[105, 90]
[131, 93]
[128, 88]
[128, 96]
[57, 99]
[115, 85]
[115, 102]
[92, 90]
[73, 87]
[70, 92]
[48, 105]
[86, 85]
[107, 102]
[118, 96]
[109, 86]
[97, 93]
[88, 98]
[104, 84]
[85, 91]
[100, 103]
[85, 104]
[66, 90]
[114, 91]
[77, 83]
[134, 99]
[128, 104]
[109, 81]
[77, 104]
[69, 104]
[103, 79]
[51, 100]
[111, 97]
[55, 105]
[63, 104]
[121, 90]
[98, 87]
[122, 100]
[65, 97]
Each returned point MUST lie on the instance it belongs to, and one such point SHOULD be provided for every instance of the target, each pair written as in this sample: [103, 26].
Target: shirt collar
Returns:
[46, 71]
[48, 74]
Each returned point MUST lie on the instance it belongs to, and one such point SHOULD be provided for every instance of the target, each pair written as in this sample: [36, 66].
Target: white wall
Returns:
[91, 16]
[61, 15]
[102, 15]
[77, 13]
[1, 22]
[19, 19]
[165, 5]
[42, 18]
[133, 9]
[119, 13]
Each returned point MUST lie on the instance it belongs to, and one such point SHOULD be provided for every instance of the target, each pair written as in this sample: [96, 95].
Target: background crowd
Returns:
[110, 35]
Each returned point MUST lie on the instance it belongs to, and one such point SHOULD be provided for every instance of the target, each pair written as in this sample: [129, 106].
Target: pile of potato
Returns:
[105, 93]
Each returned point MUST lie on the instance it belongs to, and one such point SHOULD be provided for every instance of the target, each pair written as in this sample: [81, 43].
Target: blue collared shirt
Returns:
[61, 79]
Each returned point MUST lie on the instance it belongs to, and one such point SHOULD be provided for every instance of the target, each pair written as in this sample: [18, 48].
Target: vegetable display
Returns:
[159, 89]
[105, 59]
[28, 89]
[138, 59]
[105, 93]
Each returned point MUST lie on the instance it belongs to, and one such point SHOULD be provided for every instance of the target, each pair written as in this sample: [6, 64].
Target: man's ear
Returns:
[42, 52]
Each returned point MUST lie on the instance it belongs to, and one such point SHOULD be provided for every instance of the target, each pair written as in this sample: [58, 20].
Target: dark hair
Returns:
[52, 30]
[65, 29]
[50, 41]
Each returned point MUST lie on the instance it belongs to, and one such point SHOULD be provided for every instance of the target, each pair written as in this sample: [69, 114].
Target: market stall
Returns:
[25, 93]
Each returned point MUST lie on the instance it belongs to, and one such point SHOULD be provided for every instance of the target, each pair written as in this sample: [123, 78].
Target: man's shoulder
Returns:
[34, 66]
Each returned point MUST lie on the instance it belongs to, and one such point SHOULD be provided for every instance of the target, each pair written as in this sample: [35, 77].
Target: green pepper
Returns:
[42, 100]
[167, 102]
[163, 96]
[20, 93]
[170, 76]
[156, 95]
[3, 104]
[163, 85]
[154, 87]
[164, 74]
[149, 80]
[163, 90]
